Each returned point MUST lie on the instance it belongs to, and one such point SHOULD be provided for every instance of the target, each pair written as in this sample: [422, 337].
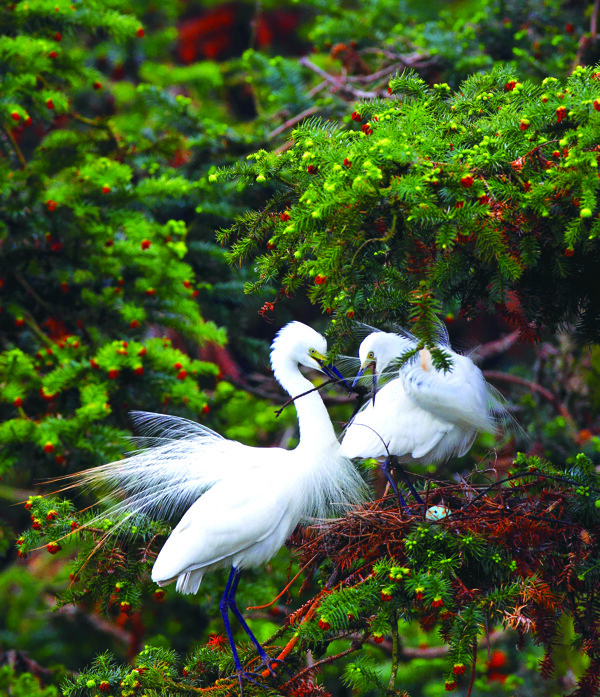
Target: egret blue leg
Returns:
[407, 481]
[234, 608]
[224, 605]
[388, 475]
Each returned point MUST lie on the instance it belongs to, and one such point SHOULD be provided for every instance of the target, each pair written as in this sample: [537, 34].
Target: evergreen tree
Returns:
[408, 169]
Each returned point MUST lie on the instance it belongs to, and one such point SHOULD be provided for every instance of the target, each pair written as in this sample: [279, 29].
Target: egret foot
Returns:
[388, 475]
[242, 674]
[268, 664]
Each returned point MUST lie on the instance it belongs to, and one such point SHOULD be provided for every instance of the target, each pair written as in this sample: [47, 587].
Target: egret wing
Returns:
[394, 425]
[223, 525]
[458, 396]
[177, 462]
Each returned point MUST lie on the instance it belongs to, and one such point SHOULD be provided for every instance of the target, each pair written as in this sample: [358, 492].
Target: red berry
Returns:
[94, 363]
[347, 163]
[49, 448]
[146, 244]
[450, 685]
[527, 186]
[36, 524]
[437, 602]
[15, 116]
[28, 505]
[182, 374]
[378, 638]
[51, 515]
[150, 291]
[458, 668]
[53, 55]
[205, 409]
[569, 28]
[139, 370]
[125, 608]
[561, 114]
[113, 373]
[64, 287]
[140, 33]
[350, 314]
[356, 116]
[58, 36]
[320, 280]
[177, 366]
[510, 86]
[324, 624]
[19, 322]
[195, 293]
[524, 125]
[389, 90]
[569, 252]
[104, 686]
[596, 104]
[159, 595]
[367, 129]
[187, 284]
[60, 459]
[311, 169]
[106, 189]
[386, 597]
[51, 205]
[134, 324]
[74, 525]
[467, 182]
[97, 85]
[483, 199]
[285, 216]
[49, 104]
[18, 402]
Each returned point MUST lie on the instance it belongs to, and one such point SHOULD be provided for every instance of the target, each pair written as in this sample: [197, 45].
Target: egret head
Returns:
[378, 351]
[301, 344]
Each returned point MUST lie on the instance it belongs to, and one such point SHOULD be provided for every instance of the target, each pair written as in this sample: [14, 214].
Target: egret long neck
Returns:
[314, 423]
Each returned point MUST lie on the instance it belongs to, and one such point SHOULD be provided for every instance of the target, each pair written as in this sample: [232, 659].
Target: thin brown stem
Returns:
[472, 680]
[395, 651]
[15, 146]
[328, 659]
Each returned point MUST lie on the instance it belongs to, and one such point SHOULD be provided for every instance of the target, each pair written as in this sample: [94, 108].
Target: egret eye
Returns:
[370, 355]
[312, 351]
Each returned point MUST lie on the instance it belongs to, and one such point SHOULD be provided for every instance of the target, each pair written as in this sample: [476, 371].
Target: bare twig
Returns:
[534, 387]
[15, 146]
[493, 348]
[294, 120]
[339, 84]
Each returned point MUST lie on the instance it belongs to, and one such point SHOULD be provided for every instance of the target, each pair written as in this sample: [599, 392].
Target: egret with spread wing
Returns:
[422, 415]
[242, 502]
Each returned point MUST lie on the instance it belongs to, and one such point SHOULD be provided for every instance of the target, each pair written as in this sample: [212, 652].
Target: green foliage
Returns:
[473, 185]
[23, 685]
[499, 186]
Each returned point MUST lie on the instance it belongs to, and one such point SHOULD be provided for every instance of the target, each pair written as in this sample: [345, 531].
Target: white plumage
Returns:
[240, 502]
[421, 415]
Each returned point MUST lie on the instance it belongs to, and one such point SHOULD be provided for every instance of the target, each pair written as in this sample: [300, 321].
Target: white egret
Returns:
[242, 502]
[423, 415]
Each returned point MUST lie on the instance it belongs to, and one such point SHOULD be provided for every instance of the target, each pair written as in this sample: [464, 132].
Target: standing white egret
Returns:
[423, 415]
[245, 501]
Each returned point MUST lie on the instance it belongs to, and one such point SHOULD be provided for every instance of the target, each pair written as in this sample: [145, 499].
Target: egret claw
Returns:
[268, 664]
